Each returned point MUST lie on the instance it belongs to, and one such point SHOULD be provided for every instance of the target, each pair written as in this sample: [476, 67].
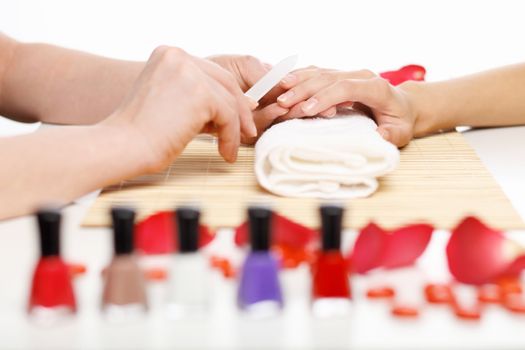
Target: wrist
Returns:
[131, 145]
[413, 92]
[430, 103]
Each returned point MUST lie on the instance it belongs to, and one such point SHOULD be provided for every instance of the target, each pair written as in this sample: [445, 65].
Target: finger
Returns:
[329, 113]
[251, 69]
[226, 121]
[306, 89]
[244, 105]
[264, 118]
[298, 76]
[293, 113]
[374, 93]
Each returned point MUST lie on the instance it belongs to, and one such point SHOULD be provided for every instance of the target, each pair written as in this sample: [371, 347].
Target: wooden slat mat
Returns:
[439, 180]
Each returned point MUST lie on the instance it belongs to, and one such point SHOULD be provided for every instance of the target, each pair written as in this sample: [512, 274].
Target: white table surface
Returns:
[333, 34]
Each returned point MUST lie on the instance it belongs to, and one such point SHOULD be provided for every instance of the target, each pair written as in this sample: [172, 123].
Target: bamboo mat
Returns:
[439, 180]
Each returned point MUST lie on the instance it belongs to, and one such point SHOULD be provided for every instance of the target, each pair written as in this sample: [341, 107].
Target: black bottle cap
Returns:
[123, 227]
[331, 221]
[260, 219]
[188, 228]
[49, 229]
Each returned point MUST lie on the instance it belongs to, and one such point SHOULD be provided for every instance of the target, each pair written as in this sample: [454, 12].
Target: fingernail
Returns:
[290, 78]
[309, 105]
[253, 104]
[283, 111]
[332, 114]
[286, 96]
[253, 131]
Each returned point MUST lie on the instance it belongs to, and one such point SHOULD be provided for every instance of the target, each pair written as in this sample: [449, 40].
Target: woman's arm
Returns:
[491, 98]
[40, 82]
[174, 98]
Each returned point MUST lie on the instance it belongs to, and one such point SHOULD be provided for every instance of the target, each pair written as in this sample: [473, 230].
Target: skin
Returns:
[124, 118]
[412, 109]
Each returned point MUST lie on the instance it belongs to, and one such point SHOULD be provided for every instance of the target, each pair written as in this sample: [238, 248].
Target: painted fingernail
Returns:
[290, 78]
[286, 96]
[309, 105]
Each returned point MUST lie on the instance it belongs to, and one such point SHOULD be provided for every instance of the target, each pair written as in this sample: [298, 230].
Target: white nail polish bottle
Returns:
[188, 293]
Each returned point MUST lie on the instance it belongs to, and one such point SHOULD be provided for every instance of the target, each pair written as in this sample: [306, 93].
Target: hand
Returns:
[176, 97]
[247, 70]
[314, 91]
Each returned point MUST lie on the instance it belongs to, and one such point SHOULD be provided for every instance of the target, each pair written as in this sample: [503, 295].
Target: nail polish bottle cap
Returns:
[331, 222]
[188, 228]
[260, 220]
[123, 227]
[49, 227]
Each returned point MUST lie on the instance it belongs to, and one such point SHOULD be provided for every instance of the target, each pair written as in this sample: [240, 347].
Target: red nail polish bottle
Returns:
[331, 289]
[51, 291]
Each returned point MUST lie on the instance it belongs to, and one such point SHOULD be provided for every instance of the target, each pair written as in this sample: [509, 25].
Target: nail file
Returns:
[270, 79]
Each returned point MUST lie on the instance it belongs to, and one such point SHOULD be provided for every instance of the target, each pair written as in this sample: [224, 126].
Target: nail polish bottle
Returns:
[124, 292]
[188, 290]
[331, 289]
[259, 288]
[52, 296]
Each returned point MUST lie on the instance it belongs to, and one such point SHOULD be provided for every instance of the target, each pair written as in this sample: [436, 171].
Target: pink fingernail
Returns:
[309, 105]
[286, 96]
[290, 78]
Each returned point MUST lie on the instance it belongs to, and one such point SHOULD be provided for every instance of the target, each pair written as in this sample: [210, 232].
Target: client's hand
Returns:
[314, 91]
[247, 70]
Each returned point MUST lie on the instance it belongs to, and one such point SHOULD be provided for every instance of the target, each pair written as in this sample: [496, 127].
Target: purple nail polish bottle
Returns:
[259, 288]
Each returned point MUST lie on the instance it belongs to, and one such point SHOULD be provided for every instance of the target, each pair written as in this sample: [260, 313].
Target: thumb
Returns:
[398, 134]
[251, 69]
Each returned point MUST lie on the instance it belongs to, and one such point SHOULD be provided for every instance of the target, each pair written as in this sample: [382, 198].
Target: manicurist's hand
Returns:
[178, 96]
[248, 70]
[314, 91]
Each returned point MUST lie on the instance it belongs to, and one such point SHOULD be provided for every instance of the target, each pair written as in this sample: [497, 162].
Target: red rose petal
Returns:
[294, 243]
[406, 244]
[515, 303]
[405, 311]
[156, 274]
[156, 234]
[224, 265]
[438, 293]
[368, 248]
[489, 293]
[476, 253]
[509, 285]
[380, 293]
[375, 247]
[410, 72]
[76, 269]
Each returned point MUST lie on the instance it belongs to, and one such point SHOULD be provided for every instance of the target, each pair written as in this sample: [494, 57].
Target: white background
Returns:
[450, 38]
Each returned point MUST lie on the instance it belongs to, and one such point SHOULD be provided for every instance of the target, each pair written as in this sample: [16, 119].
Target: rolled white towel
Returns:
[336, 158]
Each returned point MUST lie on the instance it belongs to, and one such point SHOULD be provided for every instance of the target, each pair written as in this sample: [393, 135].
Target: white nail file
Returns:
[270, 79]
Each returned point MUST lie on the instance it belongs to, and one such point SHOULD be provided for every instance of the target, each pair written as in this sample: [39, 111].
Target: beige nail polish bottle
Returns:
[124, 292]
